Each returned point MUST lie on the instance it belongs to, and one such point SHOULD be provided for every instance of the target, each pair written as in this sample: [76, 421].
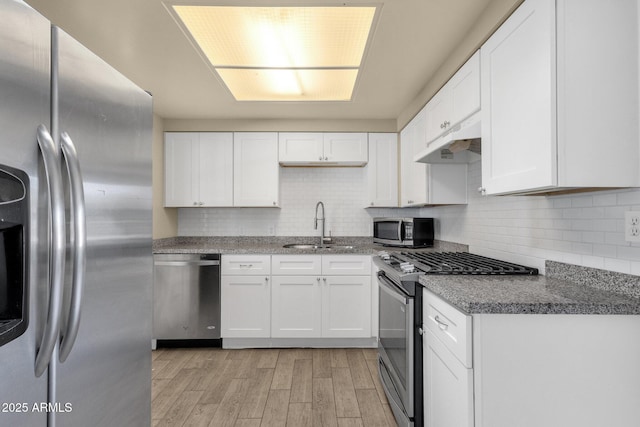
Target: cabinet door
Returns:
[382, 170]
[256, 170]
[346, 306]
[346, 148]
[180, 188]
[518, 101]
[464, 90]
[438, 114]
[448, 386]
[215, 163]
[413, 185]
[245, 309]
[300, 147]
[296, 307]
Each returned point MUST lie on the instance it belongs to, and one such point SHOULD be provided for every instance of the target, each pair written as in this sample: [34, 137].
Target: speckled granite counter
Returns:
[567, 289]
[274, 245]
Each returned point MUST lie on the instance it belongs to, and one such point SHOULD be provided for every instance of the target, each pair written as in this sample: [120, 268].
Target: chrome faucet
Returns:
[316, 219]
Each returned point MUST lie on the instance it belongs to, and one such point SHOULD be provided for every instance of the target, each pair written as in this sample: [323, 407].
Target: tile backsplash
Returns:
[343, 191]
[584, 229]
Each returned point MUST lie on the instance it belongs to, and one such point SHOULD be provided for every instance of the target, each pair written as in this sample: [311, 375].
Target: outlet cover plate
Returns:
[632, 226]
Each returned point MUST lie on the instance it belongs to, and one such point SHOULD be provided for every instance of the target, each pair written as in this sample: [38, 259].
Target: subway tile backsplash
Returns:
[343, 192]
[585, 229]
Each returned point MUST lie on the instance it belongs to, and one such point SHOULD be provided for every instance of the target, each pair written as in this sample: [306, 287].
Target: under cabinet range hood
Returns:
[460, 145]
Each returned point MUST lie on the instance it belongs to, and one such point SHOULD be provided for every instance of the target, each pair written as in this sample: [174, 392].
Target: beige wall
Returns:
[494, 15]
[165, 220]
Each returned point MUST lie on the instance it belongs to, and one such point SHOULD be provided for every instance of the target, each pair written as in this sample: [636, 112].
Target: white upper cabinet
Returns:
[413, 178]
[322, 149]
[198, 169]
[300, 147]
[382, 170]
[458, 99]
[256, 171]
[427, 184]
[559, 87]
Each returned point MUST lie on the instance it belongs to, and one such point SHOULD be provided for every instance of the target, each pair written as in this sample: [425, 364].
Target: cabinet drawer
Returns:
[296, 265]
[450, 325]
[246, 264]
[346, 265]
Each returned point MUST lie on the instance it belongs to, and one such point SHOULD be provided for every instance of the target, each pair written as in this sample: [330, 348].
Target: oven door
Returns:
[395, 348]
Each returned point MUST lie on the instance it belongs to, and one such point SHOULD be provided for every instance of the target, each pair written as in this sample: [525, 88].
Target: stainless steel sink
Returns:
[310, 246]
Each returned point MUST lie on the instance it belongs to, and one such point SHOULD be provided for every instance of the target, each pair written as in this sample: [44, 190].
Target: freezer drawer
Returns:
[186, 296]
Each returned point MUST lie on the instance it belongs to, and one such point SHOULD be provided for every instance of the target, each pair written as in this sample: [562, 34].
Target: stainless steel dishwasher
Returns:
[186, 297]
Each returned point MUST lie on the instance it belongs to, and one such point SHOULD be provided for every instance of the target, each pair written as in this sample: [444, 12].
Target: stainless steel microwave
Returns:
[407, 232]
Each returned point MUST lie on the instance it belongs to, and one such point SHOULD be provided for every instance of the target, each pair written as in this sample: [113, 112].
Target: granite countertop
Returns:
[274, 245]
[566, 289]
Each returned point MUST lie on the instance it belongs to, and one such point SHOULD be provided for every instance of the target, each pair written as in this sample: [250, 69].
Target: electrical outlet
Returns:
[632, 226]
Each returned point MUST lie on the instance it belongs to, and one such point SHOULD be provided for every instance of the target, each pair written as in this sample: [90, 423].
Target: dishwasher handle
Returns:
[199, 263]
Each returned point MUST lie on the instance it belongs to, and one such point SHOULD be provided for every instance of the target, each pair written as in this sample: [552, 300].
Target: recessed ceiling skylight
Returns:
[282, 53]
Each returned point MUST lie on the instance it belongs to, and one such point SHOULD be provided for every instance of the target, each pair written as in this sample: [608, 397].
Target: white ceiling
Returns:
[139, 38]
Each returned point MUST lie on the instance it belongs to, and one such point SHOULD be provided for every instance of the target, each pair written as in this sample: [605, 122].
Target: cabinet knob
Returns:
[326, 158]
[195, 203]
[201, 203]
[324, 279]
[266, 279]
[274, 203]
[441, 125]
[409, 201]
[482, 190]
[371, 203]
[318, 279]
[320, 158]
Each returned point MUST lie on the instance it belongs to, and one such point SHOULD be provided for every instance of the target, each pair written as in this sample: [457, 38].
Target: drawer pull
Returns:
[246, 265]
[440, 323]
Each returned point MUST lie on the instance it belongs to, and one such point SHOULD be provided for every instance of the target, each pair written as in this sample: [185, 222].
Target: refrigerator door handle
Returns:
[57, 248]
[79, 244]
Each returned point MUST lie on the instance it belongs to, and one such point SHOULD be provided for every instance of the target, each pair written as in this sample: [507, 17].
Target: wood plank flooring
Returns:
[268, 387]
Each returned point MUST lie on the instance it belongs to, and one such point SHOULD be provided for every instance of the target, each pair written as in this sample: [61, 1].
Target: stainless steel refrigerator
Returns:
[75, 232]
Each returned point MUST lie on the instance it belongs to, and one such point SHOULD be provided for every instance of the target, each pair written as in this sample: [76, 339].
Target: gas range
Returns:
[407, 267]
[400, 323]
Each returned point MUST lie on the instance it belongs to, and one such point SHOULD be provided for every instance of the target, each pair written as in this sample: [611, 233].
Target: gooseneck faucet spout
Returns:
[316, 219]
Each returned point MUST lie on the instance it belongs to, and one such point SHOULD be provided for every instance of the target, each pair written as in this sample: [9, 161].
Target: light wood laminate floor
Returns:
[268, 387]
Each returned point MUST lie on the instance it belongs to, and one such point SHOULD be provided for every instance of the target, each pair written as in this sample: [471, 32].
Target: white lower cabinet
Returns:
[318, 303]
[529, 370]
[245, 293]
[296, 306]
[448, 373]
[448, 386]
[245, 310]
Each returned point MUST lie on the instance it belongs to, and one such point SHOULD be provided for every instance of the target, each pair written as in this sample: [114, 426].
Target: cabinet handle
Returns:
[409, 201]
[201, 203]
[326, 158]
[320, 158]
[266, 280]
[440, 323]
[324, 279]
[482, 190]
[441, 125]
[246, 265]
[274, 203]
[420, 331]
[318, 280]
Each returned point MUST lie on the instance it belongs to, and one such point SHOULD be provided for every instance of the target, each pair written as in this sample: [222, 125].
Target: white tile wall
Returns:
[585, 229]
[342, 190]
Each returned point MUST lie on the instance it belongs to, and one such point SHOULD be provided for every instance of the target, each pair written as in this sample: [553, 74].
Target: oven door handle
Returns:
[391, 288]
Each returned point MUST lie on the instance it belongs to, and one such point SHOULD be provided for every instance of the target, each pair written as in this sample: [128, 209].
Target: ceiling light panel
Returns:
[300, 41]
